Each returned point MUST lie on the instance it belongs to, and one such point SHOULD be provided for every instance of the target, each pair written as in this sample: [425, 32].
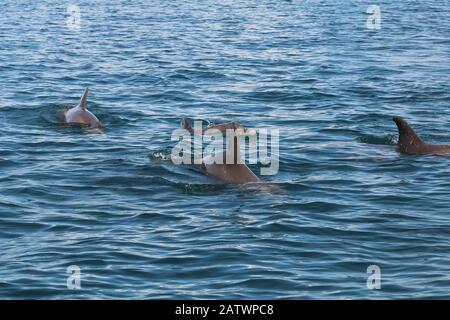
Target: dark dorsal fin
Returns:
[83, 100]
[187, 125]
[406, 135]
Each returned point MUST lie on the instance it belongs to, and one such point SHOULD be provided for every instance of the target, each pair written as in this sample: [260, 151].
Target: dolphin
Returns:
[81, 115]
[219, 166]
[409, 141]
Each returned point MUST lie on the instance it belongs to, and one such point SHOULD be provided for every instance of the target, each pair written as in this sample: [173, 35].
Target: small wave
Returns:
[388, 140]
[161, 155]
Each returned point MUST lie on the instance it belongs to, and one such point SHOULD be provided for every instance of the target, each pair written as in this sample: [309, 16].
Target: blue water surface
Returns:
[140, 227]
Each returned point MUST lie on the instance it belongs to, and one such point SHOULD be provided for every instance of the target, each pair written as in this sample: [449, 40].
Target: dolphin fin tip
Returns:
[83, 101]
[397, 118]
[186, 124]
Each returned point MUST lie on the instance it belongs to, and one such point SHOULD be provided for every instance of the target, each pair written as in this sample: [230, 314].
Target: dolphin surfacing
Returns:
[80, 115]
[409, 142]
[219, 166]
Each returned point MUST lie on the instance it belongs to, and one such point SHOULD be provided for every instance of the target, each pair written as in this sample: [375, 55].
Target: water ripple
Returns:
[140, 227]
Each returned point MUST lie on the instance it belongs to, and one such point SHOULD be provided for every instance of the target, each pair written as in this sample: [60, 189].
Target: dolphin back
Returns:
[81, 115]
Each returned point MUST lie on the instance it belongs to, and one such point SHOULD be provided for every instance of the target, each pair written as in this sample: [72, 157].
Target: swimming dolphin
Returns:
[219, 166]
[409, 141]
[81, 115]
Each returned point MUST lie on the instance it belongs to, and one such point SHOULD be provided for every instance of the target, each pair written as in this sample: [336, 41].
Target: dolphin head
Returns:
[239, 129]
[223, 127]
[233, 131]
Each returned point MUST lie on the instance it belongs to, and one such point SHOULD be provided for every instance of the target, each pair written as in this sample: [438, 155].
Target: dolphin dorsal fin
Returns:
[187, 125]
[83, 100]
[406, 135]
